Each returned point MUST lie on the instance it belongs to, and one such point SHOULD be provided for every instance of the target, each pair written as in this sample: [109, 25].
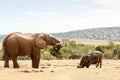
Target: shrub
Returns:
[23, 57]
[46, 55]
[99, 48]
[110, 51]
[108, 54]
[65, 52]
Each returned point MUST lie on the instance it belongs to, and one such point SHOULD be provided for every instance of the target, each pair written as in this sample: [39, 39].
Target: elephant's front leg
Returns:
[36, 59]
[31, 56]
[35, 62]
[15, 64]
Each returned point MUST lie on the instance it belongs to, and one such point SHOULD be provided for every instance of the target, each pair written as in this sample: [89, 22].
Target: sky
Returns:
[54, 16]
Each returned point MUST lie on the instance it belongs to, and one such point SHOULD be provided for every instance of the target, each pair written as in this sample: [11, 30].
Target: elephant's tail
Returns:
[3, 51]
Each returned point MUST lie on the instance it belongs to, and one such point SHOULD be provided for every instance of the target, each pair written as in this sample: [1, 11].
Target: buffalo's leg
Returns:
[97, 64]
[100, 64]
[87, 66]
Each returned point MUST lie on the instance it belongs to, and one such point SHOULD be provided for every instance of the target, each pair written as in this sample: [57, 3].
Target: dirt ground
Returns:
[61, 70]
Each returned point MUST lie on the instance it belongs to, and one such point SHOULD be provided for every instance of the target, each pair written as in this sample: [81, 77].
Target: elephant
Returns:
[20, 44]
[92, 58]
[74, 56]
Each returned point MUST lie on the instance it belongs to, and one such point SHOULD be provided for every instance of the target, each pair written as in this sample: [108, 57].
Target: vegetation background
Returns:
[102, 39]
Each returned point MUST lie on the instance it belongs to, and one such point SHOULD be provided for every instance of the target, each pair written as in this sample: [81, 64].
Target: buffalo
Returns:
[74, 56]
[92, 58]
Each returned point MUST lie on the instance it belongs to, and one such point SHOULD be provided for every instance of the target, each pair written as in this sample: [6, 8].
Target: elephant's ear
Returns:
[40, 42]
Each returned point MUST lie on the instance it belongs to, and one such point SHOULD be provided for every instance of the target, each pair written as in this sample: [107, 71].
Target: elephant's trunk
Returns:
[57, 47]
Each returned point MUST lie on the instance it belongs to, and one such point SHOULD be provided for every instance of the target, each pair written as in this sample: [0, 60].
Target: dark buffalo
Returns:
[92, 58]
[74, 56]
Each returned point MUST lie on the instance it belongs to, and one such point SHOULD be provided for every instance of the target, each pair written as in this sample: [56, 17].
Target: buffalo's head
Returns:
[84, 62]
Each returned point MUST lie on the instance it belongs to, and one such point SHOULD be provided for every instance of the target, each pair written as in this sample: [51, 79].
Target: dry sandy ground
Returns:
[61, 70]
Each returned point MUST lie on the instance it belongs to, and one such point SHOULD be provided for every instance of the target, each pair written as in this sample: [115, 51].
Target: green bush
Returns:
[23, 57]
[70, 47]
[116, 51]
[65, 52]
[99, 48]
[46, 55]
[108, 54]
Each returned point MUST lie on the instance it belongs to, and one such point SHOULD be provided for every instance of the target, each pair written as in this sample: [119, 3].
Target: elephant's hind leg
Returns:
[6, 58]
[6, 64]
[15, 64]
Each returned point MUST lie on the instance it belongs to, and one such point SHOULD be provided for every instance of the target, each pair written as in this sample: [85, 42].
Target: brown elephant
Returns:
[92, 58]
[19, 44]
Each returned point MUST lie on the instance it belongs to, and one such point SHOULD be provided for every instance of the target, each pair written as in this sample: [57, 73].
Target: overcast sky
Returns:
[52, 16]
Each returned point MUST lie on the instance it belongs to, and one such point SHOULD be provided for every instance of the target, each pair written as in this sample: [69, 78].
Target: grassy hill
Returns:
[2, 37]
[110, 33]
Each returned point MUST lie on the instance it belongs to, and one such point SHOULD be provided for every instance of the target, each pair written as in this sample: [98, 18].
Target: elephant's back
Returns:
[10, 41]
[9, 37]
